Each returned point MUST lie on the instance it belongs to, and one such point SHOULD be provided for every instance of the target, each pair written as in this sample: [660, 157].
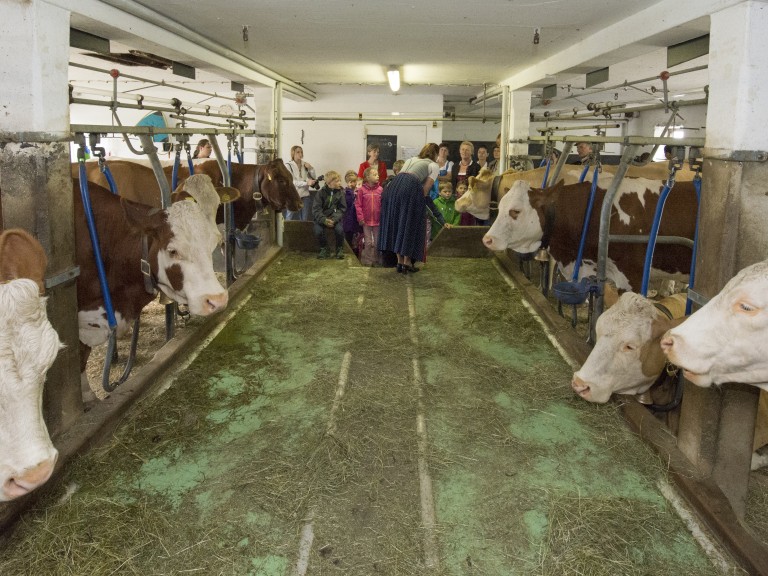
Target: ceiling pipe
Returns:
[148, 15]
[602, 113]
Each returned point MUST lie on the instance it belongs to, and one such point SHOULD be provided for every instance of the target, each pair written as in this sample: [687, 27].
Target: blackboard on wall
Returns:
[387, 148]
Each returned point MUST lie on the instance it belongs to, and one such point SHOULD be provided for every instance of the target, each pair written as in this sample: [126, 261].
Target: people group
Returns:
[386, 218]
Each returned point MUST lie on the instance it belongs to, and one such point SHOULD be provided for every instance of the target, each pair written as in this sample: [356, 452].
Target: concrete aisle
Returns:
[355, 421]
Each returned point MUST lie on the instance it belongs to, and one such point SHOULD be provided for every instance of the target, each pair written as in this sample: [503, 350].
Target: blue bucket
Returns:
[573, 293]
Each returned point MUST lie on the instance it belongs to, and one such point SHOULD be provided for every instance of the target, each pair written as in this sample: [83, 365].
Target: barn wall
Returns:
[340, 144]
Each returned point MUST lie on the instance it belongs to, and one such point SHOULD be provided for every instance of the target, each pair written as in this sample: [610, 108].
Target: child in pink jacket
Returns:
[368, 208]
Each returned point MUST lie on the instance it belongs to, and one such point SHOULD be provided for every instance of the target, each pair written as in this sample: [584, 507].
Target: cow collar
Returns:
[494, 203]
[150, 282]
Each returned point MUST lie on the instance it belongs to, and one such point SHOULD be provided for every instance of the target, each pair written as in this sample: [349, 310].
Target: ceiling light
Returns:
[393, 74]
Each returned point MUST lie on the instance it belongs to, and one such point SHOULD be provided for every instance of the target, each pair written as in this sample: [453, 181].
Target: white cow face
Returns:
[727, 339]
[518, 226]
[28, 347]
[627, 357]
[477, 199]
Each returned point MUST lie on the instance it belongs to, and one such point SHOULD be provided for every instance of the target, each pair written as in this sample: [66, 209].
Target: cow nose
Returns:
[29, 479]
[214, 302]
[579, 386]
[488, 240]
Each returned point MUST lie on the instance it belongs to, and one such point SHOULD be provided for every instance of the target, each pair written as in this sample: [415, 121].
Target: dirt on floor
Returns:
[303, 417]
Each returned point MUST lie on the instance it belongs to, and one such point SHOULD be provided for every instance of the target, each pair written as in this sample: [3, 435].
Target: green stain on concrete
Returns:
[172, 479]
[227, 384]
[536, 523]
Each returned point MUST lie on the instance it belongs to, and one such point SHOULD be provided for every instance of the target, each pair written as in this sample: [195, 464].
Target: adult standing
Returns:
[403, 209]
[462, 171]
[303, 178]
[482, 156]
[373, 162]
[443, 163]
[493, 165]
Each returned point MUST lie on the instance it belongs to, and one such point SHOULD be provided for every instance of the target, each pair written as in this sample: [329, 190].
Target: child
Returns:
[327, 211]
[397, 165]
[349, 222]
[446, 205]
[368, 207]
[466, 219]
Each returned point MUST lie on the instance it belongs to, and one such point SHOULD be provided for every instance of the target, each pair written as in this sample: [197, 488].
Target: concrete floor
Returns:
[355, 421]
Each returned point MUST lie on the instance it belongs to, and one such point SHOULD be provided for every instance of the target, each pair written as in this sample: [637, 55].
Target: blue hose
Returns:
[585, 227]
[95, 243]
[546, 174]
[692, 277]
[584, 173]
[655, 232]
[108, 175]
[175, 173]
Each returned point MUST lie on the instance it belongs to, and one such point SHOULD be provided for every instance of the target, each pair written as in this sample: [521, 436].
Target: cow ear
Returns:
[22, 256]
[180, 194]
[227, 194]
[471, 182]
[142, 217]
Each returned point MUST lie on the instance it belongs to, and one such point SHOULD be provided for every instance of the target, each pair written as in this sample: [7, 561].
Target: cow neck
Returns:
[549, 225]
[150, 281]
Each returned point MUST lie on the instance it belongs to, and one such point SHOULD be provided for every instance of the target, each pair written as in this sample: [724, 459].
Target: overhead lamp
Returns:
[393, 75]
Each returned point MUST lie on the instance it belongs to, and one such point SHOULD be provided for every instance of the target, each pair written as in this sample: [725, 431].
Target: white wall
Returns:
[340, 144]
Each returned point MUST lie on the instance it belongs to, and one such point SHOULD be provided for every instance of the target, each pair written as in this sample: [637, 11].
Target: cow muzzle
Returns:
[26, 480]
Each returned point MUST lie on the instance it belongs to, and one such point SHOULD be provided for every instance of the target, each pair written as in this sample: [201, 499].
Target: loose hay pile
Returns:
[222, 472]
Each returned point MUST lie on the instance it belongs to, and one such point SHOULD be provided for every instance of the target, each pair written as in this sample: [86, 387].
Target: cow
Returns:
[137, 182]
[28, 347]
[627, 358]
[477, 199]
[179, 245]
[726, 340]
[526, 212]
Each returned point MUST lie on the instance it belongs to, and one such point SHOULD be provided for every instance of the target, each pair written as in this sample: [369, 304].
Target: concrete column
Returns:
[519, 121]
[717, 425]
[35, 174]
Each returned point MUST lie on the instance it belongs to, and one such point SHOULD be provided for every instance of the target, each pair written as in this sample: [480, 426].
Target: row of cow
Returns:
[725, 341]
[177, 243]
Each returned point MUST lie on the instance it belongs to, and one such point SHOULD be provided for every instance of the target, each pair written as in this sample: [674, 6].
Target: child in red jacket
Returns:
[368, 208]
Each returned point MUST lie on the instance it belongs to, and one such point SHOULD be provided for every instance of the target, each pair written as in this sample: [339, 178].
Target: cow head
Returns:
[28, 347]
[181, 252]
[627, 357]
[727, 339]
[520, 223]
[277, 187]
[477, 199]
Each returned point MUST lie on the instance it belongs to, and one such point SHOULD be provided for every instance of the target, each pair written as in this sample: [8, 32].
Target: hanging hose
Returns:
[104, 168]
[692, 277]
[585, 227]
[655, 230]
[175, 173]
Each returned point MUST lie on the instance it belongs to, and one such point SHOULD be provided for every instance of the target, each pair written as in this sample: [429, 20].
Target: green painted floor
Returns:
[255, 448]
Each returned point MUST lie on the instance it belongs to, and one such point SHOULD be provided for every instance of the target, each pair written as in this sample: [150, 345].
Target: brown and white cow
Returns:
[523, 216]
[180, 239]
[28, 347]
[477, 199]
[627, 358]
[727, 339]
[137, 182]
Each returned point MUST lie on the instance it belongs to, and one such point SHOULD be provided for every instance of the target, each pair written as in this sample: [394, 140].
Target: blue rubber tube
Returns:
[585, 227]
[110, 179]
[190, 164]
[692, 277]
[584, 173]
[95, 243]
[175, 173]
[546, 175]
[653, 234]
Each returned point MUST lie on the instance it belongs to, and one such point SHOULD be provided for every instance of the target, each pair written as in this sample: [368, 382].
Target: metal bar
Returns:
[697, 298]
[155, 82]
[114, 104]
[140, 98]
[65, 276]
[229, 261]
[643, 239]
[626, 140]
[360, 117]
[564, 115]
[605, 223]
[152, 130]
[742, 156]
[583, 127]
[179, 117]
[560, 163]
[149, 148]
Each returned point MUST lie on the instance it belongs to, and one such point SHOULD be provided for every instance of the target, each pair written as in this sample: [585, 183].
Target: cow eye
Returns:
[629, 348]
[746, 307]
[173, 253]
[514, 213]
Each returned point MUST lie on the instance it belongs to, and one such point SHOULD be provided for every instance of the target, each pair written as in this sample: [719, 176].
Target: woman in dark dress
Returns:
[403, 209]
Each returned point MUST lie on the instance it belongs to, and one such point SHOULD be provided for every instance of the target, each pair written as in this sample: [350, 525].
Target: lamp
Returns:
[393, 74]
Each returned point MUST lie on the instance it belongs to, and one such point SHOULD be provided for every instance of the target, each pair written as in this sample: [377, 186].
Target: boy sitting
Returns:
[327, 211]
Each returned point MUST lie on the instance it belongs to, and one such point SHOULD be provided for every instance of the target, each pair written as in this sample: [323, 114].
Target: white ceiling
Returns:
[454, 48]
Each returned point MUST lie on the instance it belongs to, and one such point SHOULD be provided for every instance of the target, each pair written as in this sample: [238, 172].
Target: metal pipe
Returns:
[562, 116]
[229, 127]
[80, 91]
[152, 130]
[155, 82]
[583, 126]
[605, 223]
[113, 104]
[361, 118]
[637, 239]
[626, 140]
[229, 265]
[148, 15]
[506, 112]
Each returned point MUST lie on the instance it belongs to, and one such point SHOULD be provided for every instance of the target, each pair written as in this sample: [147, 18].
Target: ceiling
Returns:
[454, 48]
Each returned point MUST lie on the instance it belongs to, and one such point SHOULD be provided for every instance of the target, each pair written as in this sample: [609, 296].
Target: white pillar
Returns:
[34, 56]
[519, 121]
[738, 71]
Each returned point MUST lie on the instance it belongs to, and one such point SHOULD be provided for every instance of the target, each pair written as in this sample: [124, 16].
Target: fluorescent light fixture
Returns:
[393, 74]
